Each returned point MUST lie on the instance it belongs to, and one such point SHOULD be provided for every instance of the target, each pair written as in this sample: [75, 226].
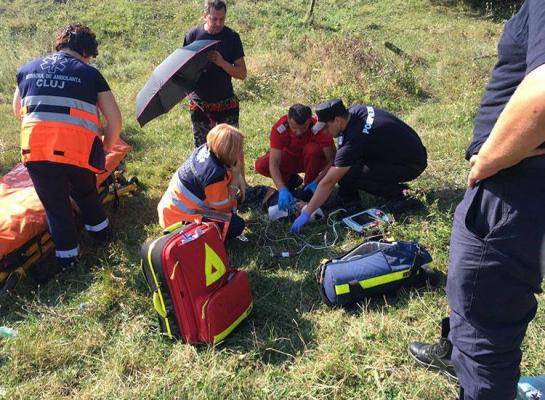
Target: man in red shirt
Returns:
[297, 144]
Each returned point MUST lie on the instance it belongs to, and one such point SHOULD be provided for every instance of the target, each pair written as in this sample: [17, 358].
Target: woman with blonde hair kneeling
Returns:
[205, 186]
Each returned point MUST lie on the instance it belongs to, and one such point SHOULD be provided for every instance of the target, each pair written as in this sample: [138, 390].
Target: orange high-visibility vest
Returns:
[62, 130]
[180, 203]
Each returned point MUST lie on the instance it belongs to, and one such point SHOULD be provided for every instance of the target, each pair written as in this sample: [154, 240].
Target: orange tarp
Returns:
[22, 215]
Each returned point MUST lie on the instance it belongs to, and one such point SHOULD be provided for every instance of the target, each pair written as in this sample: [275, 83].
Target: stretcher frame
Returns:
[15, 266]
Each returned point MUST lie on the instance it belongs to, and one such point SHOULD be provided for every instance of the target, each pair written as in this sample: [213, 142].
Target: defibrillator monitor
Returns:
[362, 218]
[367, 220]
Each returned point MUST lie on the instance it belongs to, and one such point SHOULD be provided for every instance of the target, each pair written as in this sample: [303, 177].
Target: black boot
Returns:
[68, 264]
[104, 236]
[435, 356]
[401, 203]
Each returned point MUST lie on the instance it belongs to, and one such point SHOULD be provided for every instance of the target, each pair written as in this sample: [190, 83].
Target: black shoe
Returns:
[103, 237]
[401, 203]
[68, 264]
[434, 356]
[294, 182]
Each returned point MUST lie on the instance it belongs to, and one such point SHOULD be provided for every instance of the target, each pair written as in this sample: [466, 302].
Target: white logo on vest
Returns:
[203, 154]
[53, 64]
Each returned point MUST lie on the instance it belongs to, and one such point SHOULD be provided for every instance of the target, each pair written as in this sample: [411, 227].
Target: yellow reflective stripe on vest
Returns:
[382, 279]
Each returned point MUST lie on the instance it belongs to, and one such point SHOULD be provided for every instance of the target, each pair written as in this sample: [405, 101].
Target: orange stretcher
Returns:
[24, 239]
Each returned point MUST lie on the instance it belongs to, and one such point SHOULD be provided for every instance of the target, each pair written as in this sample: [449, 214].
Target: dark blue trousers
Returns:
[54, 184]
[379, 178]
[236, 226]
[495, 267]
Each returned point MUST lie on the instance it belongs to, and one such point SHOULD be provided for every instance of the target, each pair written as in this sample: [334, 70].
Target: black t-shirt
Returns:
[521, 50]
[373, 134]
[215, 84]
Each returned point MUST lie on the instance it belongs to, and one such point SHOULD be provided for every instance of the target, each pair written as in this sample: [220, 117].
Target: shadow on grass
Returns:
[286, 293]
[284, 289]
[447, 199]
[397, 299]
[280, 330]
[322, 26]
[497, 10]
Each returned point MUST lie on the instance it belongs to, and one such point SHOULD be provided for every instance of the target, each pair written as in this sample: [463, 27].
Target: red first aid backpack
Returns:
[198, 296]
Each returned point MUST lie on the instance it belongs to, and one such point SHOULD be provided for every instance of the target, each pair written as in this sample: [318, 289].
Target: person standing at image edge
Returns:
[497, 244]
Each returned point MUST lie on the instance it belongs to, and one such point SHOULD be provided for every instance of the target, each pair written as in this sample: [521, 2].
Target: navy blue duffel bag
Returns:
[372, 268]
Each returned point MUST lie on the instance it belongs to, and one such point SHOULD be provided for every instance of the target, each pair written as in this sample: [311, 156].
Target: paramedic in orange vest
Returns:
[296, 146]
[58, 99]
[205, 186]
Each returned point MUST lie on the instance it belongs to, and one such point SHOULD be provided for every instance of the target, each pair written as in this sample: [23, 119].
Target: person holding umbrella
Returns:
[214, 101]
[58, 98]
[206, 185]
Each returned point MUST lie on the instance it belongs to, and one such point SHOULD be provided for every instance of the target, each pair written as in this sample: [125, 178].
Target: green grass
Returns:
[293, 346]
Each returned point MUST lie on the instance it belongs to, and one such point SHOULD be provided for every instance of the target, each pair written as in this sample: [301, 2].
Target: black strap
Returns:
[11, 281]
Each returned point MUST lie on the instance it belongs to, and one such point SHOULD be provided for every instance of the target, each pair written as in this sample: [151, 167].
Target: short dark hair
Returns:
[79, 38]
[300, 113]
[216, 4]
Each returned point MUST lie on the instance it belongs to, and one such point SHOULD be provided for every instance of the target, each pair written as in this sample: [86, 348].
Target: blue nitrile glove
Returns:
[311, 186]
[285, 199]
[300, 222]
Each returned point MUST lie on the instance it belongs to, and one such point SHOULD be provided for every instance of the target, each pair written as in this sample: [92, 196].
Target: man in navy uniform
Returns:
[497, 243]
[377, 153]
